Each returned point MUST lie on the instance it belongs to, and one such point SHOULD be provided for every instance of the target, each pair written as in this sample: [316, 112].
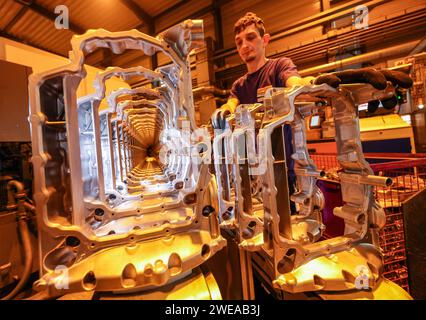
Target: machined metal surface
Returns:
[126, 201]
[251, 147]
[123, 201]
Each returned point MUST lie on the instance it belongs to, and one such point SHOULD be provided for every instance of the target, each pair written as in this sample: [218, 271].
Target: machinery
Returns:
[287, 247]
[112, 217]
[126, 201]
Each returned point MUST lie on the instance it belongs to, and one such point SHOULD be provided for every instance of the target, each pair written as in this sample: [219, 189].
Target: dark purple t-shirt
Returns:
[274, 72]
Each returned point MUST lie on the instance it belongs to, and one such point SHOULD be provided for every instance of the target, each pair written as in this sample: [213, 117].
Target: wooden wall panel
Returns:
[155, 7]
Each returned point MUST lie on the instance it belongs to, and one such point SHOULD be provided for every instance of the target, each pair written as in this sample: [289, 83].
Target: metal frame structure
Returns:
[94, 223]
[125, 200]
[251, 148]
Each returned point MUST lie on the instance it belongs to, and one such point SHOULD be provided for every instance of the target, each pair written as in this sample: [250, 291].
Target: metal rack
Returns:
[409, 176]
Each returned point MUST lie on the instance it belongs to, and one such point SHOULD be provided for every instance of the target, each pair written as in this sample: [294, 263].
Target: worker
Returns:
[251, 40]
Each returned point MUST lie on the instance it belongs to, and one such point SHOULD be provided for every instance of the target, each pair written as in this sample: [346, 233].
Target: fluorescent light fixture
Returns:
[363, 107]
[315, 122]
[406, 118]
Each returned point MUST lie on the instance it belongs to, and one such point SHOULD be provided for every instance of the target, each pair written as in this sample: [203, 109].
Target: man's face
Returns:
[250, 45]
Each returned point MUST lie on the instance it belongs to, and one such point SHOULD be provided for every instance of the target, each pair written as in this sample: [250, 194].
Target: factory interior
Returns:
[212, 150]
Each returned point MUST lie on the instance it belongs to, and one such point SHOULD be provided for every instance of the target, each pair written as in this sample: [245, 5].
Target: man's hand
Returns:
[218, 117]
[377, 78]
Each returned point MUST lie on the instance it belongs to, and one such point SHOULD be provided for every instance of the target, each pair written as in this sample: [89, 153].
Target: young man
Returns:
[251, 41]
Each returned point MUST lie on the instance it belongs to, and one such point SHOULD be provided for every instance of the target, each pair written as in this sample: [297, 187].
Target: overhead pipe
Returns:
[309, 22]
[209, 90]
[347, 40]
[317, 47]
[379, 54]
[319, 22]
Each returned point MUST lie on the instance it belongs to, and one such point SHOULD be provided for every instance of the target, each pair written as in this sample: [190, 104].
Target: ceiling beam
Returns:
[197, 14]
[214, 6]
[171, 9]
[141, 14]
[49, 15]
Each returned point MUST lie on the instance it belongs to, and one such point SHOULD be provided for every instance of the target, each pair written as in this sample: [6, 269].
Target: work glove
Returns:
[377, 78]
[218, 118]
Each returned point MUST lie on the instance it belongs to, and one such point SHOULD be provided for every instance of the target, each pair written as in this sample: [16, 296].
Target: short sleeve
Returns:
[286, 69]
[234, 89]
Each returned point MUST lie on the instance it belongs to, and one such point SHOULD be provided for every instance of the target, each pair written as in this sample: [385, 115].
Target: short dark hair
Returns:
[248, 19]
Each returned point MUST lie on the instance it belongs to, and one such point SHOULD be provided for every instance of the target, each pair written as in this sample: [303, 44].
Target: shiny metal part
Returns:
[125, 201]
[291, 244]
[122, 202]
